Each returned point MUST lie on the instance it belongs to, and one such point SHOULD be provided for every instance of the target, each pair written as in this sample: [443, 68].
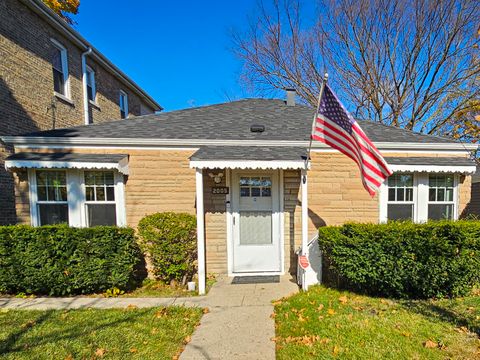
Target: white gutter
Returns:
[86, 116]
[51, 18]
[105, 142]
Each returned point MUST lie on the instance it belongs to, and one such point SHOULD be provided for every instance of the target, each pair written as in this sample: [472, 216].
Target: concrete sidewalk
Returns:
[237, 326]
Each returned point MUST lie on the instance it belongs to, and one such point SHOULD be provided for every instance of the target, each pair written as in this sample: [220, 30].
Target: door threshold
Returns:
[260, 279]
[248, 274]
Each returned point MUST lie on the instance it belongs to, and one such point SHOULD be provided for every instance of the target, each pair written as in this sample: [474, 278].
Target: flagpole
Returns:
[322, 89]
[304, 251]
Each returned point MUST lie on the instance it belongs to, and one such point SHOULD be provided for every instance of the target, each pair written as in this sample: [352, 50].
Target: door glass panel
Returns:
[255, 227]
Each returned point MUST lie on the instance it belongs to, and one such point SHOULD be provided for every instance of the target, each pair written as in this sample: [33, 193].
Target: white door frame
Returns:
[229, 220]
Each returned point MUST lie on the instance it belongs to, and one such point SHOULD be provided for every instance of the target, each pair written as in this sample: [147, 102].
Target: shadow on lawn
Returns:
[431, 310]
[12, 343]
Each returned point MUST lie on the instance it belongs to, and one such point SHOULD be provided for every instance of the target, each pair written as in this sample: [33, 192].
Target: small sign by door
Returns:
[303, 261]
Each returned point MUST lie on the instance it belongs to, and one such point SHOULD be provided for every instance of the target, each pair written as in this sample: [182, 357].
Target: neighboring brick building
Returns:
[43, 62]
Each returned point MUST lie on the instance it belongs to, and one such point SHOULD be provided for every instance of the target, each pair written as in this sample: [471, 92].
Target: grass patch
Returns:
[153, 333]
[325, 323]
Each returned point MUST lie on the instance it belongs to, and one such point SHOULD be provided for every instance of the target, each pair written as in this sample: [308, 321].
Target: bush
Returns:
[404, 260]
[60, 260]
[170, 239]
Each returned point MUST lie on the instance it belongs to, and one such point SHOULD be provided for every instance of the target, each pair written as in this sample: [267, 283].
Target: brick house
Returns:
[51, 77]
[240, 166]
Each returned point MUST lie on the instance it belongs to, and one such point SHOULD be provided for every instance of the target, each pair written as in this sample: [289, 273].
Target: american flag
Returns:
[335, 127]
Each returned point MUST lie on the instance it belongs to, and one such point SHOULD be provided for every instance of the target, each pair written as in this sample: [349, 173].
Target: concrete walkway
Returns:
[237, 326]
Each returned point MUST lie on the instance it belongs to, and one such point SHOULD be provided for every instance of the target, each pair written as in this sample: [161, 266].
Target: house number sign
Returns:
[220, 190]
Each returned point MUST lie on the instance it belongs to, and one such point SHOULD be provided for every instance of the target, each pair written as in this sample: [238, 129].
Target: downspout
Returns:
[84, 85]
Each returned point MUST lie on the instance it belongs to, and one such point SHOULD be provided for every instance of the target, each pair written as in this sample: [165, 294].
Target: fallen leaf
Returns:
[331, 311]
[429, 344]
[206, 310]
[28, 324]
[343, 299]
[320, 307]
[100, 352]
[69, 357]
[301, 318]
[133, 350]
[406, 334]
[338, 326]
[132, 307]
[161, 313]
[320, 317]
[272, 316]
[275, 303]
[187, 339]
[336, 350]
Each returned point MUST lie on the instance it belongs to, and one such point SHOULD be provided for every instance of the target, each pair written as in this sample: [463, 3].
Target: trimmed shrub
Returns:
[60, 260]
[170, 239]
[403, 259]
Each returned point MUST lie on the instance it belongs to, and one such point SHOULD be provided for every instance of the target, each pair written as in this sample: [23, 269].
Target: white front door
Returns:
[256, 222]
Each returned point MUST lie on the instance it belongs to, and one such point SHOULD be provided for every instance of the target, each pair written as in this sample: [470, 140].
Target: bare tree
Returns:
[407, 63]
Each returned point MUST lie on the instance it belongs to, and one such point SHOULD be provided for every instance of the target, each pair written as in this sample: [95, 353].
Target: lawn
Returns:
[153, 333]
[324, 323]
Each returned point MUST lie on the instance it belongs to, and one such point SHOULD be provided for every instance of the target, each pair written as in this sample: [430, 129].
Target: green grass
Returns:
[325, 323]
[131, 333]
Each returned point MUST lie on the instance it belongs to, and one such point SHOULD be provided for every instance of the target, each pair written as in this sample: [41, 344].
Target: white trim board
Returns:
[121, 166]
[34, 140]
[434, 168]
[247, 164]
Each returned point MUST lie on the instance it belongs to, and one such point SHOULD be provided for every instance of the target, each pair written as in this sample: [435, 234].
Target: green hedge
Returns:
[402, 259]
[60, 260]
[170, 239]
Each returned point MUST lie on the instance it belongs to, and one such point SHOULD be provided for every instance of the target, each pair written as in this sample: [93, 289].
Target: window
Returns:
[255, 187]
[400, 197]
[440, 197]
[60, 69]
[52, 205]
[123, 105]
[77, 197]
[91, 89]
[419, 197]
[100, 198]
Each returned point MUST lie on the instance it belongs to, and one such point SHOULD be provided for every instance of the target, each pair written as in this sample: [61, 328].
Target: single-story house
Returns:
[240, 166]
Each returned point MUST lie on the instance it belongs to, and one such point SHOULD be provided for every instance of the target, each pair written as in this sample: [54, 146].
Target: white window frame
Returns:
[66, 77]
[91, 79]
[125, 103]
[34, 202]
[420, 197]
[76, 197]
[454, 200]
[414, 197]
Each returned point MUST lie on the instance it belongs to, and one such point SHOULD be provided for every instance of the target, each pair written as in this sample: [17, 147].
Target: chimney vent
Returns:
[291, 94]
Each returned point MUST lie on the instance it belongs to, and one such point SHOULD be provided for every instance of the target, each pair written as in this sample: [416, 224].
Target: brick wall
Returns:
[27, 101]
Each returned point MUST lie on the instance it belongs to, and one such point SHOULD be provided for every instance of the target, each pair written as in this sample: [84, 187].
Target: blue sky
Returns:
[178, 51]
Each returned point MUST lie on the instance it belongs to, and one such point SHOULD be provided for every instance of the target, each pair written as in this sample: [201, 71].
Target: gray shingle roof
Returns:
[249, 153]
[440, 161]
[68, 157]
[231, 121]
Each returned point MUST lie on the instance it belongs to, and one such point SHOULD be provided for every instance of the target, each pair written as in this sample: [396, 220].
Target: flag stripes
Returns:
[335, 127]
